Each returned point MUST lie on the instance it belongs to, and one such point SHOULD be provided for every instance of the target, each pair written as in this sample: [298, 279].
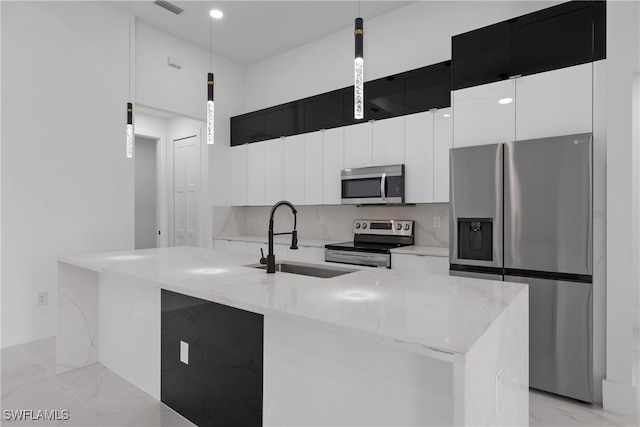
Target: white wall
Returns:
[66, 183]
[410, 37]
[146, 193]
[619, 394]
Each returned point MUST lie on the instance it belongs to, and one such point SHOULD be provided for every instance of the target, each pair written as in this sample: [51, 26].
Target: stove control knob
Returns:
[406, 226]
[357, 225]
[364, 225]
[398, 226]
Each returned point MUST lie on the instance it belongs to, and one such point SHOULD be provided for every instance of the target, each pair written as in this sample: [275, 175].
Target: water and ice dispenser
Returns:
[475, 239]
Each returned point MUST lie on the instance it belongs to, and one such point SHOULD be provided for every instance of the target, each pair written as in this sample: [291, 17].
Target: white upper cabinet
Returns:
[273, 171]
[333, 164]
[358, 148]
[442, 143]
[557, 102]
[239, 175]
[293, 150]
[484, 114]
[255, 173]
[418, 145]
[313, 168]
[388, 141]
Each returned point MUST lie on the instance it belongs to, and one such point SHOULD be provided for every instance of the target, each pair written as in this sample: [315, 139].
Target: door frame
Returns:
[159, 173]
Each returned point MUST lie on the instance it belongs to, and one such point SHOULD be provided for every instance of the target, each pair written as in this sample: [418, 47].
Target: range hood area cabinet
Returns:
[557, 102]
[305, 168]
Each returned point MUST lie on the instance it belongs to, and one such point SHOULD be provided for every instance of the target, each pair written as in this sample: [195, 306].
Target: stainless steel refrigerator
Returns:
[522, 212]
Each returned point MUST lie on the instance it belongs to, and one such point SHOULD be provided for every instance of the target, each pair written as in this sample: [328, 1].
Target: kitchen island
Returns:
[371, 347]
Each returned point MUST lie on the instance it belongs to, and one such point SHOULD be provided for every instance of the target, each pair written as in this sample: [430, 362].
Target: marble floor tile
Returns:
[95, 396]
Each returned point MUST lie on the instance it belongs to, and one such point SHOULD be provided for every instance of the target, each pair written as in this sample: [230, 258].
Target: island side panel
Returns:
[77, 328]
[129, 323]
[496, 370]
[312, 376]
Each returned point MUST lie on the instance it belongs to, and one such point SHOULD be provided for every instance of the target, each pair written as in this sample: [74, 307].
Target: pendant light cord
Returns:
[210, 37]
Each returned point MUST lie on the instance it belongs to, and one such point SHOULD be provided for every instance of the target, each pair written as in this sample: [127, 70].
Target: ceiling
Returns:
[251, 31]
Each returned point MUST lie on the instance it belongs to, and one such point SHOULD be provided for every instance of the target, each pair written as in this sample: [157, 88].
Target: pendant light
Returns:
[215, 14]
[129, 106]
[358, 88]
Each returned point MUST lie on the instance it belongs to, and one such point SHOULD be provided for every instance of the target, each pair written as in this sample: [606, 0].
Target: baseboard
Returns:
[21, 333]
[619, 398]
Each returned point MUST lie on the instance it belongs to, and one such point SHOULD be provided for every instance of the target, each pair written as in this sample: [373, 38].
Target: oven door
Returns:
[373, 185]
[370, 259]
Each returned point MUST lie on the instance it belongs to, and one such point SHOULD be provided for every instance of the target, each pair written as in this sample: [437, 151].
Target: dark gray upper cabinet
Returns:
[405, 93]
[560, 36]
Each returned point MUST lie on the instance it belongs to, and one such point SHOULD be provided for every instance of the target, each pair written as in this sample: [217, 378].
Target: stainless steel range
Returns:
[372, 242]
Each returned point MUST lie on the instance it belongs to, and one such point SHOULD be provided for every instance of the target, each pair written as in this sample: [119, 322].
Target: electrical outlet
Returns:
[436, 222]
[43, 298]
[184, 352]
[321, 219]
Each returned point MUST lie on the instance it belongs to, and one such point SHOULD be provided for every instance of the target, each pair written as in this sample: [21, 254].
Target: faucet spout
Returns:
[271, 258]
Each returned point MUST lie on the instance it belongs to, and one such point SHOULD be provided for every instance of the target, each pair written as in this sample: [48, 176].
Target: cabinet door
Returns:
[211, 361]
[273, 176]
[442, 143]
[255, 174]
[418, 144]
[313, 168]
[230, 246]
[293, 149]
[554, 103]
[333, 164]
[552, 38]
[358, 145]
[280, 251]
[239, 175]
[482, 114]
[481, 56]
[388, 141]
[420, 263]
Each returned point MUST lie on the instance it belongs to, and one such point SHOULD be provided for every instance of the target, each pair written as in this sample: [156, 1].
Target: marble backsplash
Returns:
[331, 222]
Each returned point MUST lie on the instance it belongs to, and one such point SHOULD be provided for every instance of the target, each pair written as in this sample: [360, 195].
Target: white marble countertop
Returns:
[282, 240]
[437, 316]
[317, 243]
[422, 250]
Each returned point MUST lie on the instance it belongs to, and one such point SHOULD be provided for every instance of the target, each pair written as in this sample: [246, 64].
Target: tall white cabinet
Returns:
[273, 171]
[313, 168]
[239, 175]
[428, 138]
[333, 163]
[294, 176]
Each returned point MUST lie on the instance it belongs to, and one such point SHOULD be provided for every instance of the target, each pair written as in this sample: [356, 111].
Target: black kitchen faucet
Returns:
[271, 258]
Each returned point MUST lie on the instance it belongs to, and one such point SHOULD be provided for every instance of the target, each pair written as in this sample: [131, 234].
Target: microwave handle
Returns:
[383, 186]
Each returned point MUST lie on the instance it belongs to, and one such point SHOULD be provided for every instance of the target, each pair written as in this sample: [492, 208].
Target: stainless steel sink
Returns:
[305, 269]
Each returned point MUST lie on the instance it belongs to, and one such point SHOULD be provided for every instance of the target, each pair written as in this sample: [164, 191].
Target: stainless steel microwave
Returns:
[373, 185]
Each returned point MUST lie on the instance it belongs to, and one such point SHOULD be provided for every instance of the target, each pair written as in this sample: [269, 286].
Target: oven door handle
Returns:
[383, 186]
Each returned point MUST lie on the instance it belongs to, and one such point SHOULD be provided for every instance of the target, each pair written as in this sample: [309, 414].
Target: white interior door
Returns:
[186, 179]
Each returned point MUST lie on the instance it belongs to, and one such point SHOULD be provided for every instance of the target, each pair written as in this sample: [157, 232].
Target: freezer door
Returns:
[560, 336]
[475, 230]
[548, 205]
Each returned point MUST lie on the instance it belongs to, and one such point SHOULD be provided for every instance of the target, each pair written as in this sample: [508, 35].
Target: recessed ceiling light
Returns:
[505, 101]
[216, 14]
[446, 115]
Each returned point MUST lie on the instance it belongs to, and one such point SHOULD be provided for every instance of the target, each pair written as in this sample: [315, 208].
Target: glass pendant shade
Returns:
[358, 66]
[210, 111]
[129, 130]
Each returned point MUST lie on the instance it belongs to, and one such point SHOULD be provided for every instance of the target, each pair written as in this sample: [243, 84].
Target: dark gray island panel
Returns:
[222, 382]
